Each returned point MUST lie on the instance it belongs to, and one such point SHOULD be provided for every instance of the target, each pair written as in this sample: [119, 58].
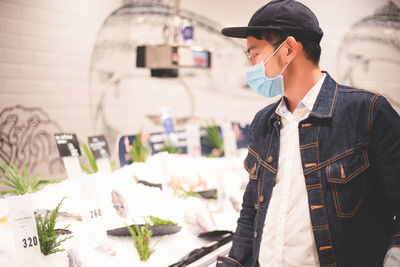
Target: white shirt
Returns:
[288, 237]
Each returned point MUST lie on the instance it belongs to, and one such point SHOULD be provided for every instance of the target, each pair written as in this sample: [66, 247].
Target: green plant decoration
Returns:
[141, 240]
[170, 148]
[158, 221]
[139, 151]
[213, 140]
[19, 182]
[91, 159]
[92, 162]
[49, 240]
[186, 194]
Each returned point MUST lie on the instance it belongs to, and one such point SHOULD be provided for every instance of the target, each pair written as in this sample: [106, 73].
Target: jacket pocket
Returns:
[347, 179]
[223, 261]
[252, 166]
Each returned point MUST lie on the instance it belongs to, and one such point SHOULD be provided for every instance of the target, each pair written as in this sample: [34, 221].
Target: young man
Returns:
[323, 161]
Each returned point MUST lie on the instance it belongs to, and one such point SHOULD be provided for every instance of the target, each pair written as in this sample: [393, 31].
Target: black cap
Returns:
[288, 16]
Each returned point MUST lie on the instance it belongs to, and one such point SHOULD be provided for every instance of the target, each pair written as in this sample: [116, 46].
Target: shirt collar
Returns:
[307, 102]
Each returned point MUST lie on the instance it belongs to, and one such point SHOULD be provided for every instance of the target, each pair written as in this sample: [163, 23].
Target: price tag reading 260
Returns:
[29, 242]
[95, 213]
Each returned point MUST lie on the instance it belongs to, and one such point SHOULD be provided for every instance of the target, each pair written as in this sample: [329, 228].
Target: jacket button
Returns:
[261, 198]
[255, 234]
[270, 159]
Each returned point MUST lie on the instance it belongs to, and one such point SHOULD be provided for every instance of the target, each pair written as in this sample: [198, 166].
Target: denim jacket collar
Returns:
[324, 105]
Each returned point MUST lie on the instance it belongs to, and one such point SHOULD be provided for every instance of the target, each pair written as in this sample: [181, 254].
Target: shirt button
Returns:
[255, 234]
[270, 159]
[261, 198]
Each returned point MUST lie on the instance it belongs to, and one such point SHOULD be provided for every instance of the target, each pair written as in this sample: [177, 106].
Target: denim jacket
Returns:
[350, 153]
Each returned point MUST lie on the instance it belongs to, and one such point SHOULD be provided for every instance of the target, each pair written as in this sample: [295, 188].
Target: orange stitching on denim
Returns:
[270, 142]
[319, 127]
[333, 100]
[314, 186]
[248, 170]
[308, 165]
[309, 145]
[326, 217]
[258, 210]
[335, 158]
[219, 261]
[266, 165]
[320, 227]
[355, 173]
[253, 169]
[314, 207]
[351, 214]
[324, 248]
[231, 260]
[306, 125]
[351, 176]
[251, 175]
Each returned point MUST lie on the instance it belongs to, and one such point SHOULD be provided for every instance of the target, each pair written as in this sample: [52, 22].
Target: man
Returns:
[323, 161]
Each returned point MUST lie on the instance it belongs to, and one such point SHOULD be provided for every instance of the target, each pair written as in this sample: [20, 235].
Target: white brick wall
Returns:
[46, 47]
[45, 50]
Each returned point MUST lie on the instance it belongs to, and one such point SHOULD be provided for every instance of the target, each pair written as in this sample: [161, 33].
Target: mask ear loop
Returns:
[276, 50]
[284, 68]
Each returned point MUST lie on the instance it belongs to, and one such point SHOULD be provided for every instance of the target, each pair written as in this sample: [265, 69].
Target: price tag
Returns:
[68, 148]
[99, 147]
[25, 234]
[67, 145]
[94, 211]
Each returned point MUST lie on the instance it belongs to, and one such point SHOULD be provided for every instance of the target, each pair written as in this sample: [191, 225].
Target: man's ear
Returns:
[293, 48]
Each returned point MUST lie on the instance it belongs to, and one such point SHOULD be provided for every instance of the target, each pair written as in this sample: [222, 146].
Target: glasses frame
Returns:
[251, 56]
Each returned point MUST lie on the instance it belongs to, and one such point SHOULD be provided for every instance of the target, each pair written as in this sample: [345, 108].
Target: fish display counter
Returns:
[183, 208]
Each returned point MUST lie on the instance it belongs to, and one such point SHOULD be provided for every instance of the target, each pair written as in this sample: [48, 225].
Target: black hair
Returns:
[311, 47]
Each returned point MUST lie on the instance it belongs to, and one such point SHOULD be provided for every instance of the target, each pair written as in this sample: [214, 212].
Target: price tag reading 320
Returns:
[24, 230]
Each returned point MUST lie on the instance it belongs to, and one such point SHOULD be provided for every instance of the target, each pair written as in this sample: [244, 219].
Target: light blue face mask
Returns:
[264, 86]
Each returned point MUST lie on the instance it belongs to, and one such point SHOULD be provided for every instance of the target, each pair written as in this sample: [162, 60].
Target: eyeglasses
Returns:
[252, 56]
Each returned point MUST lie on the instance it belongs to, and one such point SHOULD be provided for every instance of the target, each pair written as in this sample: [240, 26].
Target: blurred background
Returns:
[72, 66]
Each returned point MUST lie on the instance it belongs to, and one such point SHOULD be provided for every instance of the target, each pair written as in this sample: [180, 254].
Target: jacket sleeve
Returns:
[385, 158]
[241, 253]
[242, 245]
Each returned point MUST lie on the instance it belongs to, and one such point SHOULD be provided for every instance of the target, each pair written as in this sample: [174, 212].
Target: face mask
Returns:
[264, 86]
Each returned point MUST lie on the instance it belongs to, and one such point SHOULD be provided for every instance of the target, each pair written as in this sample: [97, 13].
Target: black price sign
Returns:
[67, 144]
[29, 242]
[99, 146]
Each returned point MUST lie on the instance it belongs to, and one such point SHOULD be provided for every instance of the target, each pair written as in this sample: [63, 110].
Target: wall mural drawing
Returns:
[369, 56]
[27, 139]
[125, 98]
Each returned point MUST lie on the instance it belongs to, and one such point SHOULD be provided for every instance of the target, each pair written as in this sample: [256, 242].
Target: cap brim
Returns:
[242, 32]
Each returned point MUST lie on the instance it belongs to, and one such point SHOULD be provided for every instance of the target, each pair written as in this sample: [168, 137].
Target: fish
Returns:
[119, 204]
[106, 249]
[61, 214]
[235, 204]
